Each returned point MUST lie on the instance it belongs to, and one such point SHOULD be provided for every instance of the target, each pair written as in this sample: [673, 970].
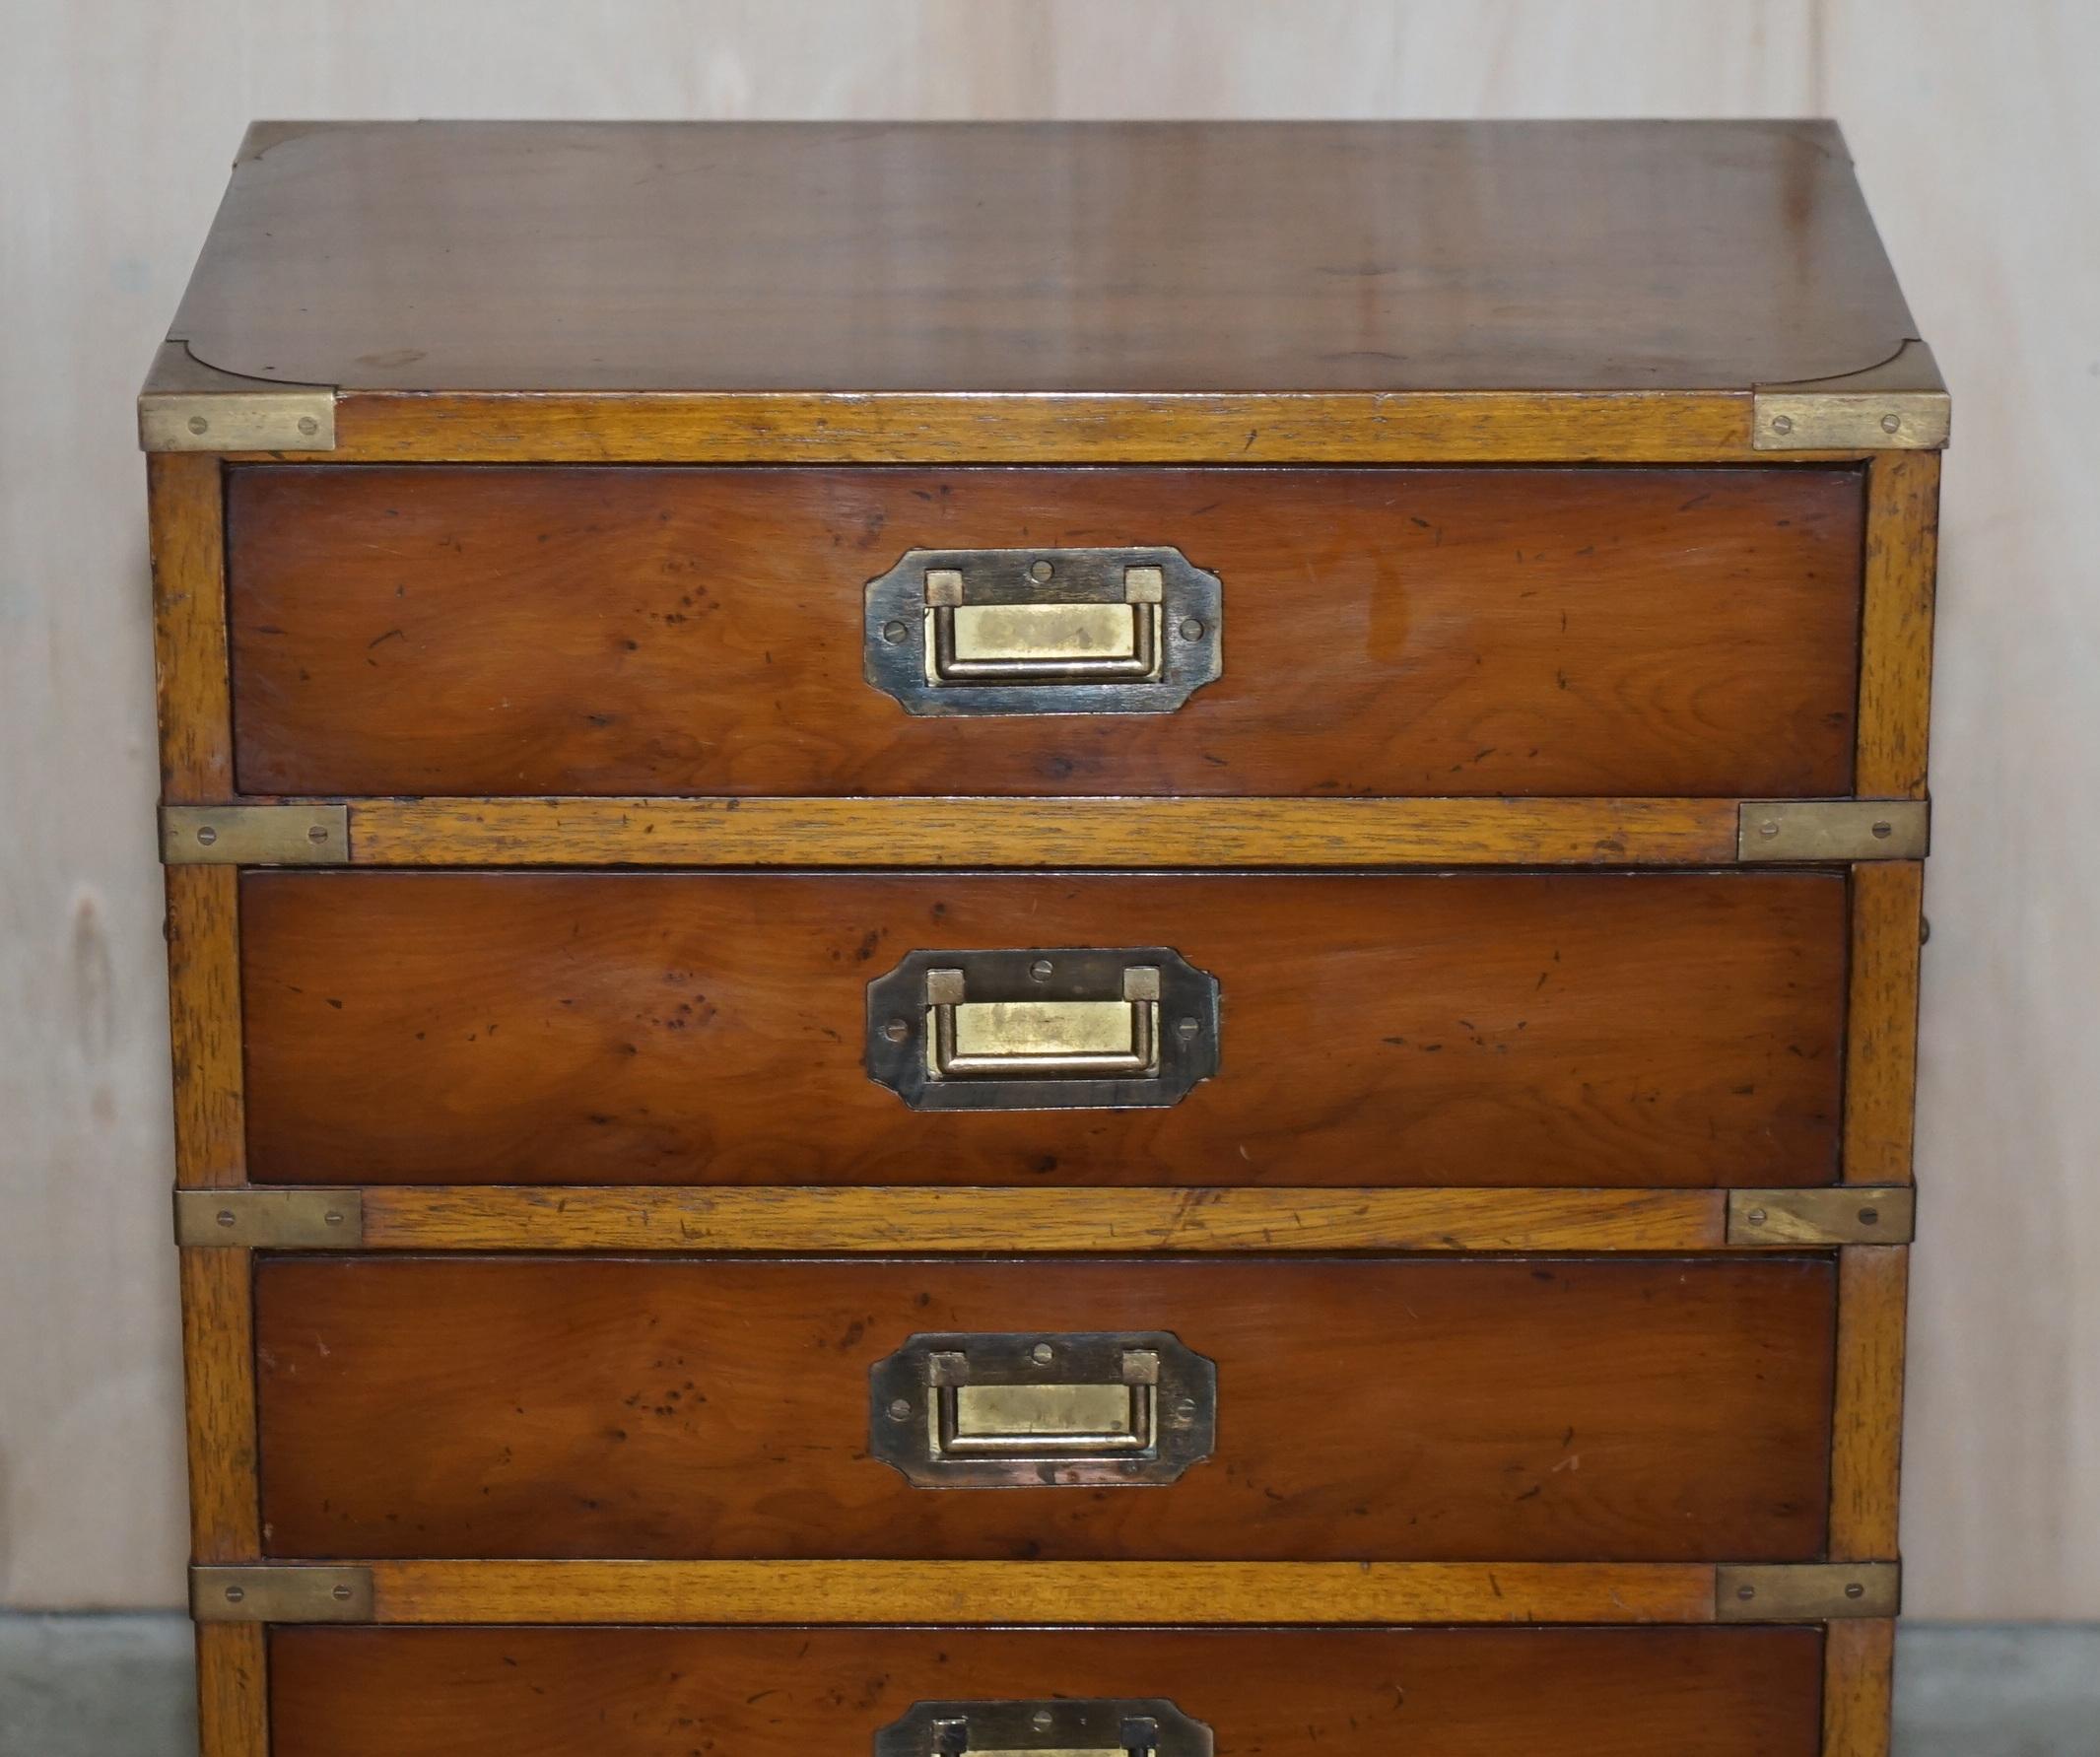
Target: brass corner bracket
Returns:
[270, 1219]
[1856, 1214]
[1850, 421]
[1806, 1592]
[281, 1592]
[255, 835]
[292, 419]
[1832, 829]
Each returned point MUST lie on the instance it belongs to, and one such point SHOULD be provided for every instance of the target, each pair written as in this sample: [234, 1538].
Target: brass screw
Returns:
[1746, 1593]
[1767, 829]
[317, 833]
[1891, 422]
[1040, 1720]
[900, 1408]
[235, 1594]
[1041, 969]
[309, 426]
[197, 424]
[226, 1217]
[1854, 1590]
[1188, 1027]
[1042, 1354]
[339, 1592]
[897, 1031]
[1039, 572]
[894, 632]
[207, 835]
[1870, 1216]
[1783, 424]
[1192, 630]
[1883, 831]
[1757, 1217]
[332, 1218]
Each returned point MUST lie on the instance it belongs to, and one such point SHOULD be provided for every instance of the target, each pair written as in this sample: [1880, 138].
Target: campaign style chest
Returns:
[1070, 939]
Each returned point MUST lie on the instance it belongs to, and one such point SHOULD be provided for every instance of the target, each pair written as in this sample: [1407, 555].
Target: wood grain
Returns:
[186, 523]
[1896, 638]
[1449, 1410]
[1106, 1594]
[432, 1028]
[218, 1375]
[771, 1692]
[612, 631]
[1867, 1423]
[203, 936]
[1858, 1687]
[405, 1217]
[234, 1694]
[1064, 832]
[1881, 1021]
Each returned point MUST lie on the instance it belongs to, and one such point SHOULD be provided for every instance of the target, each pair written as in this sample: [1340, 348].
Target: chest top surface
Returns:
[1053, 257]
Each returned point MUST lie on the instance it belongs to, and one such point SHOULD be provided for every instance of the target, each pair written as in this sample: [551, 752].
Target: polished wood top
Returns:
[1062, 258]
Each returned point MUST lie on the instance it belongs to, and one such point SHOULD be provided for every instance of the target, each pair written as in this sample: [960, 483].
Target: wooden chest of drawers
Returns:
[1070, 940]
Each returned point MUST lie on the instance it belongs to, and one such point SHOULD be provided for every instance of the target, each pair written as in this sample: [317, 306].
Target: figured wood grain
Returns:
[787, 1692]
[186, 527]
[1033, 428]
[1539, 1030]
[1107, 1594]
[203, 938]
[1062, 832]
[615, 631]
[1455, 1410]
[234, 1697]
[464, 1217]
[1881, 1021]
[1858, 1686]
[1867, 1447]
[219, 1389]
[1896, 636]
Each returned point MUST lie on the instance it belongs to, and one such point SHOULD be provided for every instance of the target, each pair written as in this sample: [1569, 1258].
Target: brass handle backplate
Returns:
[1043, 630]
[1058, 1726]
[1064, 1028]
[1118, 1408]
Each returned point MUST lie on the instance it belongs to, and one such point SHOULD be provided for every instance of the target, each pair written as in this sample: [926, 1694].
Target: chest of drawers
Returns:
[1043, 938]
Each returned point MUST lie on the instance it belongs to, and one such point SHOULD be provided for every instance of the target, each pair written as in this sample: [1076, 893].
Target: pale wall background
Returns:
[1978, 138]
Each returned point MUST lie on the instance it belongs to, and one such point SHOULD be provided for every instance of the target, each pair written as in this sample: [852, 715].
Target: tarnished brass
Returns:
[1074, 1028]
[1122, 1408]
[1030, 631]
[1056, 1727]
[1850, 421]
[255, 835]
[1832, 829]
[271, 1219]
[292, 419]
[281, 1592]
[1843, 1215]
[1806, 1592]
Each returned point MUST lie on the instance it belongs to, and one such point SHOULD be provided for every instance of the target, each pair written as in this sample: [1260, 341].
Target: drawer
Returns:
[1648, 1030]
[760, 1692]
[1338, 1409]
[1485, 631]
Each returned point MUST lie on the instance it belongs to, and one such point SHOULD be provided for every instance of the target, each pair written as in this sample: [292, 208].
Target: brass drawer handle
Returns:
[1121, 1409]
[1032, 631]
[1069, 1028]
[1056, 1728]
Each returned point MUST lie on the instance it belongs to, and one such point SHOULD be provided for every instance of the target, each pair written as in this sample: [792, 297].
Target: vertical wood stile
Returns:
[1866, 1446]
[1881, 1021]
[1859, 1672]
[1896, 624]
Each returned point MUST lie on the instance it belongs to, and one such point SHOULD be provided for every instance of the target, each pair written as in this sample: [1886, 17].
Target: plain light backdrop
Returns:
[1976, 136]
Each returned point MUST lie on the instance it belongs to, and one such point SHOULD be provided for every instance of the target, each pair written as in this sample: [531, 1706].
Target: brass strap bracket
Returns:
[271, 1219]
[292, 419]
[281, 1592]
[1861, 1214]
[1806, 1592]
[255, 835]
[1832, 829]
[1850, 421]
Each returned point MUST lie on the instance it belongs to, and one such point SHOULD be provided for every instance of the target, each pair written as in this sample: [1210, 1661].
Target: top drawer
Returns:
[1390, 632]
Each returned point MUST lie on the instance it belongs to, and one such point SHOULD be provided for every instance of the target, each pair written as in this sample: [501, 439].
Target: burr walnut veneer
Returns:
[1067, 938]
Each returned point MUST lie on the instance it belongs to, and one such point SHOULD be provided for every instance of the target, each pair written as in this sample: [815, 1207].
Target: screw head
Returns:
[1891, 424]
[339, 1592]
[309, 426]
[1854, 1590]
[1042, 1354]
[900, 1408]
[1039, 572]
[226, 1217]
[1870, 1216]
[331, 1218]
[1188, 1027]
[207, 835]
[1883, 831]
[1042, 970]
[235, 1594]
[1783, 424]
[198, 425]
[1040, 1720]
[897, 1031]
[1757, 1217]
[1746, 1593]
[317, 833]
[1192, 630]
[1767, 829]
[894, 632]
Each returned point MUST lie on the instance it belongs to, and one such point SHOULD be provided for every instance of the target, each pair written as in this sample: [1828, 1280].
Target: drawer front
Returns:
[525, 630]
[1643, 1409]
[792, 1692]
[1484, 1029]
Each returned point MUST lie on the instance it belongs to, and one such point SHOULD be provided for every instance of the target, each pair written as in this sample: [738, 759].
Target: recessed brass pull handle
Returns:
[1036, 630]
[1125, 1408]
[1058, 1726]
[1068, 1028]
